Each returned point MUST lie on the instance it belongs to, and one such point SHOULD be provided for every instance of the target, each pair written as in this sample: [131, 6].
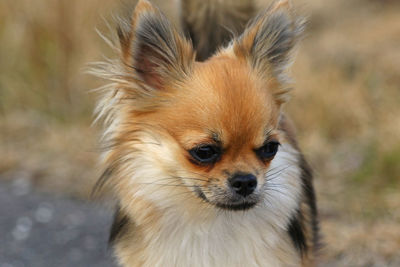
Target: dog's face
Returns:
[222, 120]
[208, 130]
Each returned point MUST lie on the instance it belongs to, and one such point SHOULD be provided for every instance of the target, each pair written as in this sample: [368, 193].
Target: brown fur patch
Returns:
[231, 102]
[163, 104]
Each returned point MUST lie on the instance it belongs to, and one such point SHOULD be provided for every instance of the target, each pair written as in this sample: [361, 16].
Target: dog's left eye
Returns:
[268, 150]
[205, 154]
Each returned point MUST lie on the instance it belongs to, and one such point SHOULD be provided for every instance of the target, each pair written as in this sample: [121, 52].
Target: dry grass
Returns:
[44, 99]
[346, 107]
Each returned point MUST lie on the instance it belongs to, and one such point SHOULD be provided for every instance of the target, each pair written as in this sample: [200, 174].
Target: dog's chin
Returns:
[228, 205]
[236, 206]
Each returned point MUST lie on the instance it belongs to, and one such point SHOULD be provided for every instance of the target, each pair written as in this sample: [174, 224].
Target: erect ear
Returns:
[153, 49]
[268, 43]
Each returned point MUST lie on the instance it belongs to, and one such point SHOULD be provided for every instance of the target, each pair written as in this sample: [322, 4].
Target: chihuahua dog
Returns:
[202, 161]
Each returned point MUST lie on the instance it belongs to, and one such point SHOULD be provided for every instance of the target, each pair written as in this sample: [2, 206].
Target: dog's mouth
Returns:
[237, 205]
[245, 205]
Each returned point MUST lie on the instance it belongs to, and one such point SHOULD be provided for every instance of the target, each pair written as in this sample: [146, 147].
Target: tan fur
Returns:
[160, 105]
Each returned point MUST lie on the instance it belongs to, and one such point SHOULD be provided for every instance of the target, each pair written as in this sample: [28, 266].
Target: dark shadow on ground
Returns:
[40, 230]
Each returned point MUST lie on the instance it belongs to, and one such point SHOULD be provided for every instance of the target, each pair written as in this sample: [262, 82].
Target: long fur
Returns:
[160, 103]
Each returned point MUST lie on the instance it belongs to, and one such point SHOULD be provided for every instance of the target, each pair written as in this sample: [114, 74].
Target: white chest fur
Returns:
[230, 239]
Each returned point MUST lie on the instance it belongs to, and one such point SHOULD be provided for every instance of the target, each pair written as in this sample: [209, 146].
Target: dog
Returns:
[201, 159]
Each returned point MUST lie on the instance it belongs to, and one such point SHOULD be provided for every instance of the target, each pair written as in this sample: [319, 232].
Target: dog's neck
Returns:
[228, 239]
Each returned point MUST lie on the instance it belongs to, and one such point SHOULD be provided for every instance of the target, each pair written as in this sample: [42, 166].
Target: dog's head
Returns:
[207, 132]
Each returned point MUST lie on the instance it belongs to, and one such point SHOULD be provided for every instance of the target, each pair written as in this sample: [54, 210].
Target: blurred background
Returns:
[346, 105]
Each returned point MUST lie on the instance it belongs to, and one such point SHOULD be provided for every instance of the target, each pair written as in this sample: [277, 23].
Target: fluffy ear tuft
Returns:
[269, 41]
[153, 48]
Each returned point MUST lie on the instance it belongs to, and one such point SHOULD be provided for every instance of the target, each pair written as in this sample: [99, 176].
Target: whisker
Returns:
[202, 175]
[280, 192]
[272, 169]
[177, 185]
[278, 172]
[183, 178]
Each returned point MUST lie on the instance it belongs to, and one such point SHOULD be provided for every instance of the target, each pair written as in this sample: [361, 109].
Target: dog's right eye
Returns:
[205, 154]
[268, 150]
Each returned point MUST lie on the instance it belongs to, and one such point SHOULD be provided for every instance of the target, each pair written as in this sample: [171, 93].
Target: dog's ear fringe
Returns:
[269, 42]
[150, 52]
[152, 48]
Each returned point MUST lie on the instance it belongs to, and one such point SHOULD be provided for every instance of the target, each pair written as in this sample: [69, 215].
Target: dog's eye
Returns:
[205, 154]
[268, 150]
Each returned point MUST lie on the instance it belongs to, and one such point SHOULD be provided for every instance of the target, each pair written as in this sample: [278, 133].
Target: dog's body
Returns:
[204, 164]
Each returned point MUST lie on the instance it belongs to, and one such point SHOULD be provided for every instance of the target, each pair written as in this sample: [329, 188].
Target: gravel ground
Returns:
[39, 230]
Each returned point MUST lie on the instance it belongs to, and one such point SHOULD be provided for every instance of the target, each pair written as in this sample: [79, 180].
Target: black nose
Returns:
[243, 184]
